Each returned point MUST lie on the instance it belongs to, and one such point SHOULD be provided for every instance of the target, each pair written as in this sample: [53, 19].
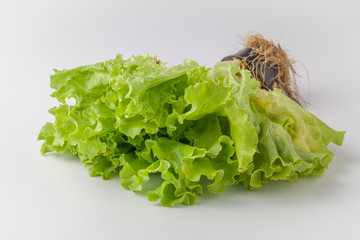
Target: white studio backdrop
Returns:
[53, 197]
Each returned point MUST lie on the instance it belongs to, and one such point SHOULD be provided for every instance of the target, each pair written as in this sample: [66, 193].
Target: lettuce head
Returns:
[137, 117]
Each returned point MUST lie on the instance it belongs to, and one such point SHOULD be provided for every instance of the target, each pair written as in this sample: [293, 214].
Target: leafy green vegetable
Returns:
[137, 117]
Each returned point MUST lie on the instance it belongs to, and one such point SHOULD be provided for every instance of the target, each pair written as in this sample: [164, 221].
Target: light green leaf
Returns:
[137, 117]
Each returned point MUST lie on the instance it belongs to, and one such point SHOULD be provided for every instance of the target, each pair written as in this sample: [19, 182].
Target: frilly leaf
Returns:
[137, 117]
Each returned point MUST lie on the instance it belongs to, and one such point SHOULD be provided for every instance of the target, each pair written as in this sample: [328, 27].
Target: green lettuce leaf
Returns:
[137, 117]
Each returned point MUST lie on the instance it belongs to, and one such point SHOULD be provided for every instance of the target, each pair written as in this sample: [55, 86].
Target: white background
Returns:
[53, 197]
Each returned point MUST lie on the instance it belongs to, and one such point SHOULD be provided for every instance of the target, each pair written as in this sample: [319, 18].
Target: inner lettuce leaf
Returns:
[187, 123]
